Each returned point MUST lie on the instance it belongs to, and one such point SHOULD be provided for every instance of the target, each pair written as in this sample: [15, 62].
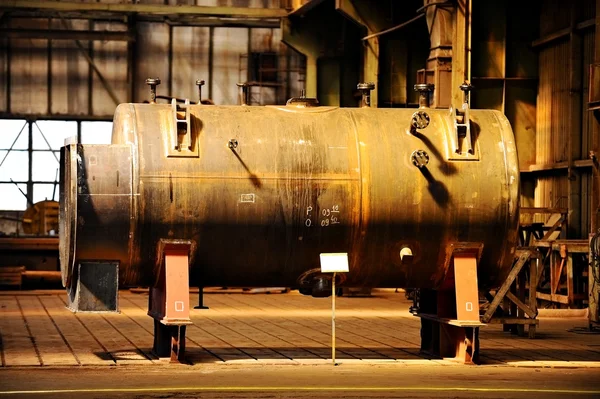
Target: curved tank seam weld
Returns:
[359, 226]
[506, 173]
[135, 181]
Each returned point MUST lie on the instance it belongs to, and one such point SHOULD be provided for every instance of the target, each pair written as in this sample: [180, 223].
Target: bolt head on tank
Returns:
[153, 81]
[365, 86]
[466, 87]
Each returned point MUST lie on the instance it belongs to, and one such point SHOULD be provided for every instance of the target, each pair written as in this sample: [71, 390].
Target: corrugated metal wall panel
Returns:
[553, 105]
[29, 69]
[69, 72]
[111, 59]
[588, 121]
[228, 43]
[552, 191]
[588, 9]
[560, 102]
[553, 16]
[190, 61]
[152, 41]
[544, 109]
[3, 74]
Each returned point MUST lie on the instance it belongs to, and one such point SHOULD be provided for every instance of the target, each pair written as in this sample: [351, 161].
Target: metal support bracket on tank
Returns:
[169, 299]
[181, 139]
[450, 315]
[461, 143]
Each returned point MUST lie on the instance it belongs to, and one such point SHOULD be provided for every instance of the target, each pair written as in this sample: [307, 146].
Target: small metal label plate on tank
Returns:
[248, 198]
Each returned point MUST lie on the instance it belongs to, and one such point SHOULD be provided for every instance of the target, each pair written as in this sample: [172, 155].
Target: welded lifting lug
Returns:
[183, 143]
[182, 125]
[461, 142]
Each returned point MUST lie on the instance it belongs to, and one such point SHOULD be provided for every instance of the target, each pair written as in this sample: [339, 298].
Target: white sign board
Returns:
[334, 262]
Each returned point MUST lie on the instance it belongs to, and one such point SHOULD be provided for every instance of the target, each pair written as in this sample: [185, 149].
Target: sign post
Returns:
[333, 263]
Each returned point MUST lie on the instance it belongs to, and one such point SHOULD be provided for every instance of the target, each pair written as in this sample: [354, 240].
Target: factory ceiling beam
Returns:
[147, 9]
[59, 34]
[175, 20]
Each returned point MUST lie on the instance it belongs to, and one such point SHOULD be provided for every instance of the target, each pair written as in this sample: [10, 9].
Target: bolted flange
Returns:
[419, 158]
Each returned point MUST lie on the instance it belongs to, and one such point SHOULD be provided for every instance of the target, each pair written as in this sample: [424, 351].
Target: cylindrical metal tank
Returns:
[262, 191]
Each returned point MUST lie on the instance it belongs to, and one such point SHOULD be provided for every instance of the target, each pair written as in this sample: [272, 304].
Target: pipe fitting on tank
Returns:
[200, 83]
[466, 88]
[244, 89]
[153, 82]
[420, 119]
[302, 101]
[365, 91]
[425, 90]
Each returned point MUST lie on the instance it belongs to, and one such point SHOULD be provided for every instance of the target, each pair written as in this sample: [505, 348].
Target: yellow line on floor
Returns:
[262, 389]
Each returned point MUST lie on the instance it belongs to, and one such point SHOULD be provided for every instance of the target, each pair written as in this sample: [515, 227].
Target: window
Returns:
[263, 67]
[30, 156]
[96, 132]
[14, 164]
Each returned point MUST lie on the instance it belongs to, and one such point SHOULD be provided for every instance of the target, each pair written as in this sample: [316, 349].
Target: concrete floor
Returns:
[278, 345]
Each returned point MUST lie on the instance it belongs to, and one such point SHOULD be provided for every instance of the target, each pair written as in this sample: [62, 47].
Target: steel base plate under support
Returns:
[169, 341]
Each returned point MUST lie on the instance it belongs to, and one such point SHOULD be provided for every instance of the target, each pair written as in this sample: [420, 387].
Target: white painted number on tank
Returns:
[330, 216]
[308, 221]
[179, 306]
[469, 306]
[326, 217]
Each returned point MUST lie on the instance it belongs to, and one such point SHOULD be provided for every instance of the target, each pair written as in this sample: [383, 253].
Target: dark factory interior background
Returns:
[65, 66]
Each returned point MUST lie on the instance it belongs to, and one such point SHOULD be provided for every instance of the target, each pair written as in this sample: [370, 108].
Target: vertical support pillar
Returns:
[439, 62]
[533, 266]
[465, 284]
[371, 67]
[201, 299]
[593, 286]
[305, 43]
[450, 316]
[461, 50]
[574, 133]
[595, 202]
[169, 299]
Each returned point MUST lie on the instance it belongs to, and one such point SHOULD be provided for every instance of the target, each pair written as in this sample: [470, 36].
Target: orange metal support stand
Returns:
[450, 315]
[169, 299]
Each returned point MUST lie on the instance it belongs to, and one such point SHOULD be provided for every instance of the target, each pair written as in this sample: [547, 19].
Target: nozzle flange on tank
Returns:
[421, 119]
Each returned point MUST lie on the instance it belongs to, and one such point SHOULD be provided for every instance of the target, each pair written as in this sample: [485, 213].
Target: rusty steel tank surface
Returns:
[262, 191]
